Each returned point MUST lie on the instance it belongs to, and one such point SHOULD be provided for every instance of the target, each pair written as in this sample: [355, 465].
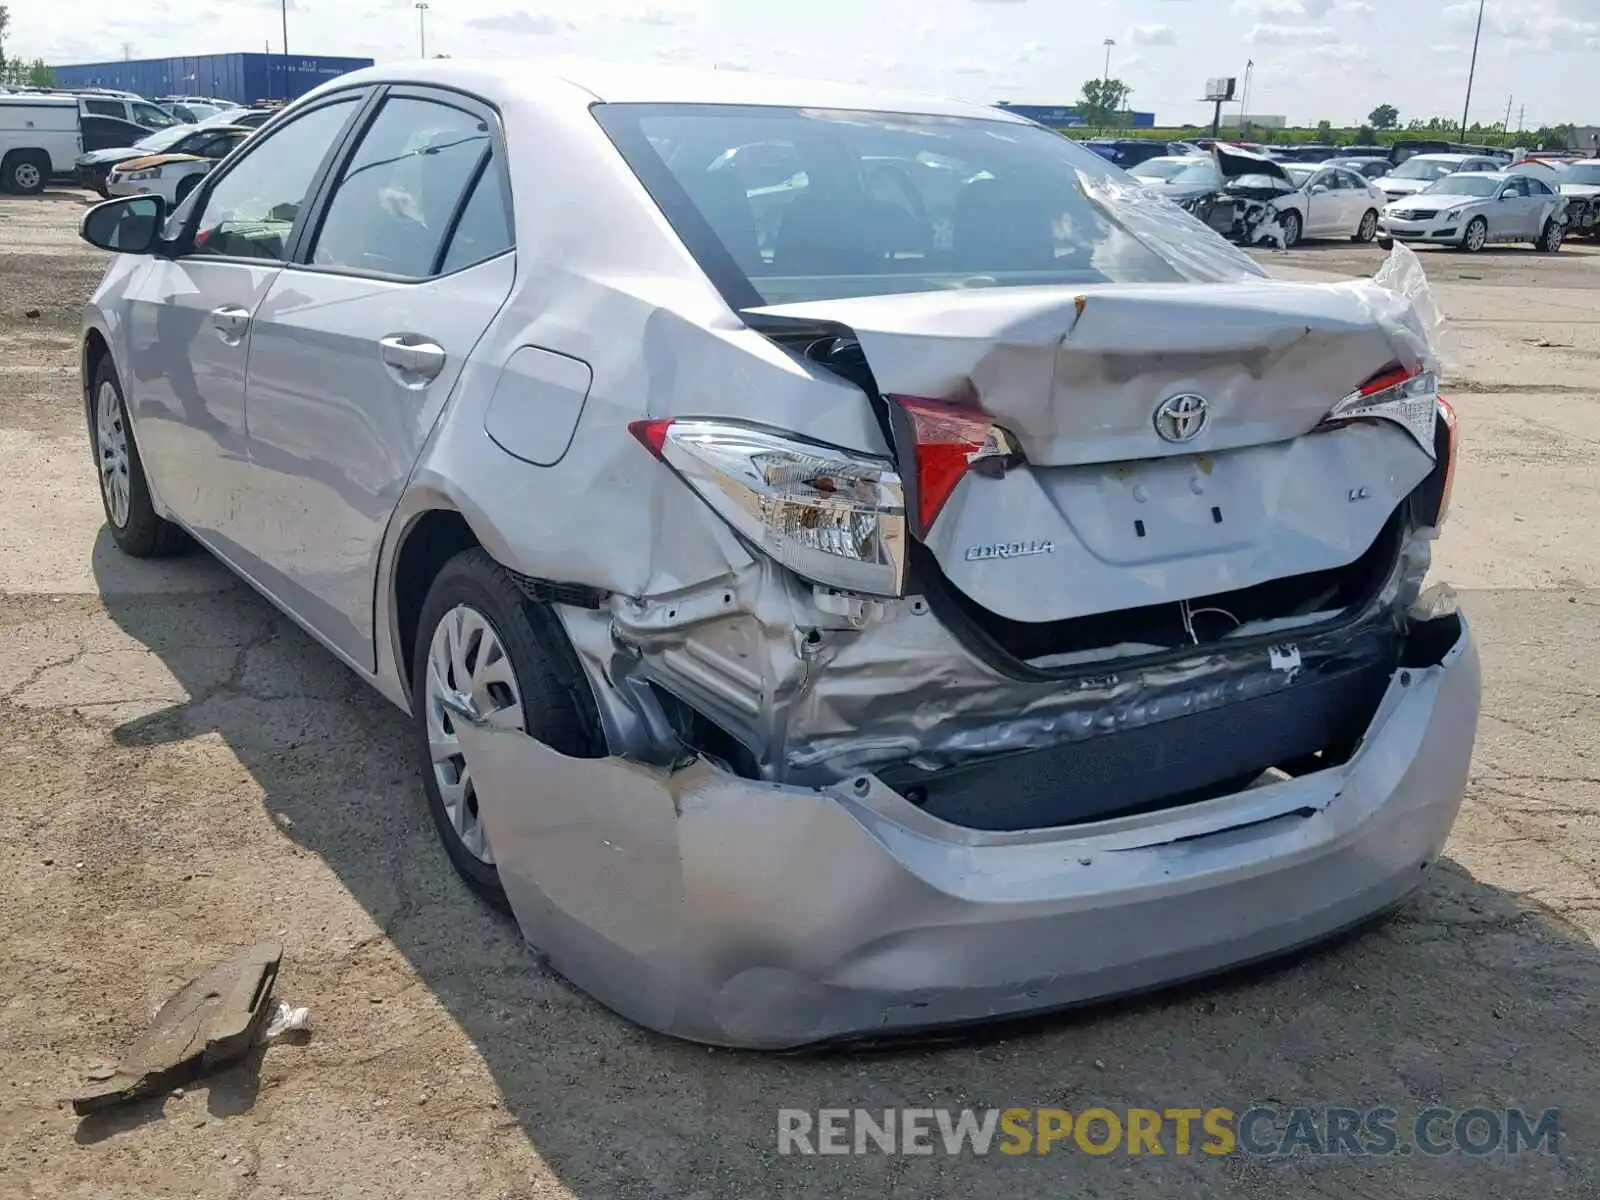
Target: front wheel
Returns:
[136, 528]
[481, 641]
[1368, 229]
[1475, 235]
[1551, 236]
[1289, 222]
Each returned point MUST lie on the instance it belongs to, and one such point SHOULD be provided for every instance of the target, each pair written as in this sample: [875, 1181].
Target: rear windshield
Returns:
[783, 204]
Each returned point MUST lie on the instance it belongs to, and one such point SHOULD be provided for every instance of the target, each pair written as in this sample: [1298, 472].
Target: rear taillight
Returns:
[831, 515]
[1408, 398]
[939, 443]
[1447, 416]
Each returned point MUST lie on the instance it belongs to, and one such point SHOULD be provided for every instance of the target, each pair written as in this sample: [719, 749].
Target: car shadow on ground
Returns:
[1470, 996]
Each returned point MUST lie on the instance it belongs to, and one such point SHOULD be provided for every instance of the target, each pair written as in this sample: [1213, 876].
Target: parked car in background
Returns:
[1366, 166]
[93, 168]
[895, 673]
[1339, 202]
[1421, 170]
[1128, 152]
[1579, 182]
[1232, 190]
[39, 139]
[174, 173]
[192, 109]
[1473, 209]
[134, 111]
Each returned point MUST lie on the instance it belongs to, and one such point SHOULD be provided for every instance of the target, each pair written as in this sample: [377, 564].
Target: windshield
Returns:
[1298, 174]
[1202, 172]
[1422, 168]
[1464, 185]
[1588, 172]
[812, 204]
[163, 138]
[1159, 168]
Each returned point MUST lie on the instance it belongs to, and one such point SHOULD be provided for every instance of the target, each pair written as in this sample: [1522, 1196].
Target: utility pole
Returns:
[1244, 97]
[422, 26]
[283, 10]
[1105, 83]
[1471, 71]
[1521, 109]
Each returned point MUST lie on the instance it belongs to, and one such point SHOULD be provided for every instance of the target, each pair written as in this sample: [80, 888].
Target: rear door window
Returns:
[399, 193]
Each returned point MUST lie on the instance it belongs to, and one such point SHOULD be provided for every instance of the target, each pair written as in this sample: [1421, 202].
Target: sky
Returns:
[1314, 59]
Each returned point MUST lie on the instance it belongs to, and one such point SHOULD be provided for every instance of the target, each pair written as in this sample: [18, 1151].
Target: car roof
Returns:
[582, 82]
[1452, 157]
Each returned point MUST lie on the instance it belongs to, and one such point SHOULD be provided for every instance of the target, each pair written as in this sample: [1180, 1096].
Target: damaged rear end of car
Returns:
[1104, 659]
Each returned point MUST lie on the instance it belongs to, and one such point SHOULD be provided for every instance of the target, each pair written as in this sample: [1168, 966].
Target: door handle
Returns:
[231, 321]
[417, 357]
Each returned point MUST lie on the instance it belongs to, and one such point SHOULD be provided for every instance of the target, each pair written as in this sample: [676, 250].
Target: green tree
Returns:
[1324, 131]
[5, 27]
[40, 74]
[1102, 100]
[1385, 116]
[1365, 137]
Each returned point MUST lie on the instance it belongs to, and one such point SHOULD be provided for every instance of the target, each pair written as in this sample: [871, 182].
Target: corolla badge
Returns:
[994, 550]
[1181, 418]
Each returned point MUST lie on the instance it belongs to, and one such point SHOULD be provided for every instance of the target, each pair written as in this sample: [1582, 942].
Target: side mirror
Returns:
[1318, 189]
[126, 225]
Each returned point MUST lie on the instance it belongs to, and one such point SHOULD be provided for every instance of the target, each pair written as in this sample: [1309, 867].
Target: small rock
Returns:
[100, 1072]
[177, 1093]
[49, 862]
[374, 999]
[1099, 1064]
[423, 1099]
[32, 314]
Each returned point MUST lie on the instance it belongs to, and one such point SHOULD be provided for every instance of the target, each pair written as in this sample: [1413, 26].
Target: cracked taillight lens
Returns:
[939, 443]
[1408, 398]
[830, 515]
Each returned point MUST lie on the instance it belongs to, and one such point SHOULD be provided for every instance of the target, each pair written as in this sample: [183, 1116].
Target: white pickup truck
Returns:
[39, 137]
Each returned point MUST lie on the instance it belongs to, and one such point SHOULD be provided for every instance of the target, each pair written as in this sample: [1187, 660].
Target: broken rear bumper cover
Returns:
[734, 912]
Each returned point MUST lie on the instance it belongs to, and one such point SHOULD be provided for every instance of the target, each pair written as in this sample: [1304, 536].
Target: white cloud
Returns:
[1152, 35]
[1270, 10]
[521, 23]
[1291, 35]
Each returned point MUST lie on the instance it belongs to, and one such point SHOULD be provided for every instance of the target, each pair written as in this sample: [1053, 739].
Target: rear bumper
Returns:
[728, 911]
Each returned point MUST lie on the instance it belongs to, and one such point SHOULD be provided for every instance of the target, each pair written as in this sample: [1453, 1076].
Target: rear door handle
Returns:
[231, 321]
[417, 359]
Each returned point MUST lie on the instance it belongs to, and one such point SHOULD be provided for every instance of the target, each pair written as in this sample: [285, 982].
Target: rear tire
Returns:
[1551, 236]
[1368, 229]
[136, 528]
[475, 593]
[25, 172]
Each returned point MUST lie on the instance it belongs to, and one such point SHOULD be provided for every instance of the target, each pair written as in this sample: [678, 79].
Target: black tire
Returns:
[1482, 227]
[1292, 229]
[144, 534]
[102, 180]
[1368, 229]
[185, 186]
[558, 708]
[25, 172]
[1551, 236]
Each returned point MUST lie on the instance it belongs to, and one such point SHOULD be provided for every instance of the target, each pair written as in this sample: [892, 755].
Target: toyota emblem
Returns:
[1182, 418]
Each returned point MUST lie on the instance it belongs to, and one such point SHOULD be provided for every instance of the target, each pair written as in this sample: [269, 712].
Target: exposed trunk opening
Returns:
[1162, 628]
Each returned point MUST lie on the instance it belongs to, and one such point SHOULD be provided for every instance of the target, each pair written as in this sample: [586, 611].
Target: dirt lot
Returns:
[184, 772]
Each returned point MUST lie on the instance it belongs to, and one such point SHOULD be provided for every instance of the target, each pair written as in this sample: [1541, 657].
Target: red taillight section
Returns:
[1382, 382]
[943, 440]
[652, 435]
[1448, 414]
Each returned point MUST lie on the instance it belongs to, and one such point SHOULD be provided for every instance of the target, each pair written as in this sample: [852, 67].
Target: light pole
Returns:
[1471, 71]
[422, 26]
[283, 11]
[1105, 81]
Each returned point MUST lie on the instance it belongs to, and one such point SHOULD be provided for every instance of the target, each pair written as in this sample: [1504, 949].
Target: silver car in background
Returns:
[1473, 209]
[896, 611]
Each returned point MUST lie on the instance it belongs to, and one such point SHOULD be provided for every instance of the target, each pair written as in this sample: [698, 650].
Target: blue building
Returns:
[1068, 116]
[243, 78]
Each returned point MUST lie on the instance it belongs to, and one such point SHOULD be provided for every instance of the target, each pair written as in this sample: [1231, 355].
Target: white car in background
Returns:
[1471, 209]
[172, 175]
[1340, 202]
[1422, 170]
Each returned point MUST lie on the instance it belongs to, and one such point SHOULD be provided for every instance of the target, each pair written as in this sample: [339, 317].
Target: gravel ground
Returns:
[184, 772]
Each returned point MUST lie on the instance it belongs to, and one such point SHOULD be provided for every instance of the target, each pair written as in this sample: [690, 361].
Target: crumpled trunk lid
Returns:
[1123, 497]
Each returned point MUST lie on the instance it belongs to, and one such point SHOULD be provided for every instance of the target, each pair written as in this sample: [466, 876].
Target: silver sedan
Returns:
[1473, 209]
[968, 586]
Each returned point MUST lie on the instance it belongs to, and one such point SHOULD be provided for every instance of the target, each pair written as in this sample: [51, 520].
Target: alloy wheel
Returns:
[111, 440]
[1369, 226]
[467, 662]
[1477, 234]
[25, 176]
